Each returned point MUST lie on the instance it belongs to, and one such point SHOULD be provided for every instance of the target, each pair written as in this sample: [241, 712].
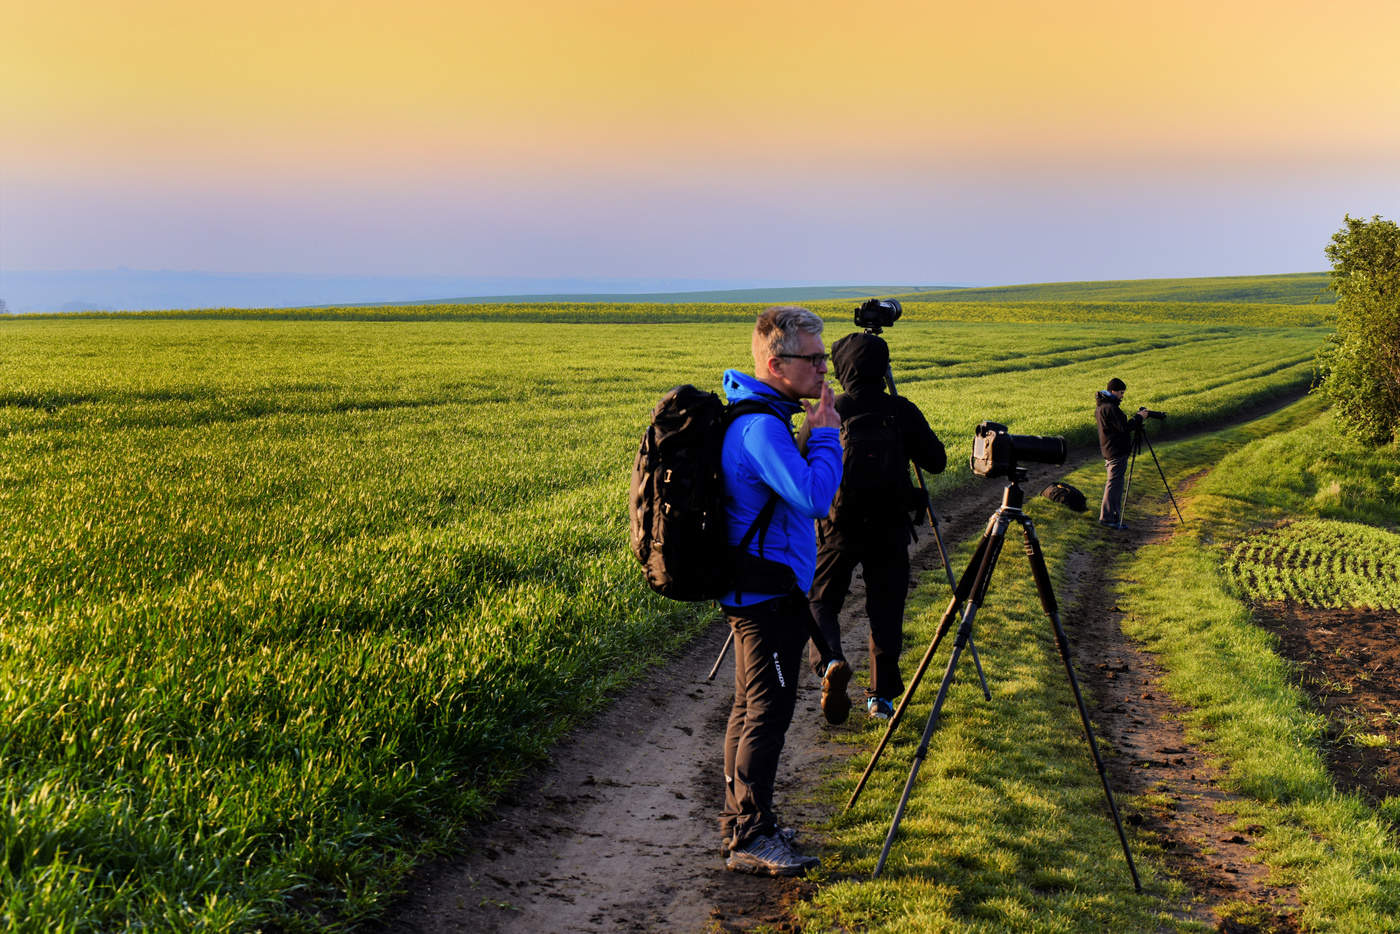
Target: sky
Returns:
[785, 142]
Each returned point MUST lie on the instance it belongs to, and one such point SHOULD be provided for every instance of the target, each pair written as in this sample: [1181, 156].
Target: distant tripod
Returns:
[1139, 436]
[972, 590]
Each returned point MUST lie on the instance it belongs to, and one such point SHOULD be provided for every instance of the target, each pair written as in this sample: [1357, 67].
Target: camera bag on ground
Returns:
[676, 508]
[1065, 495]
[875, 487]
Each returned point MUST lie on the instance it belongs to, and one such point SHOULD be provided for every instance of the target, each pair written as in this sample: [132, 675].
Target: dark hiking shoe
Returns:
[769, 855]
[787, 834]
[879, 709]
[836, 706]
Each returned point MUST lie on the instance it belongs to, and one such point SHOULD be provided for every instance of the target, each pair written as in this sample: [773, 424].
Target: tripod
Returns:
[972, 590]
[1139, 436]
[937, 536]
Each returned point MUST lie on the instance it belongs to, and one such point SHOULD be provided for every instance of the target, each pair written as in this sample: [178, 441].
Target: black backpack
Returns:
[677, 508]
[1065, 495]
[874, 472]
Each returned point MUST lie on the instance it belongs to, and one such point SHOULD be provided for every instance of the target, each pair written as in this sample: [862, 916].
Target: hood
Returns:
[740, 387]
[861, 361]
[1104, 397]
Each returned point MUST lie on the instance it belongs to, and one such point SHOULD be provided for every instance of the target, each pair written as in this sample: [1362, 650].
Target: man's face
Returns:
[1120, 393]
[797, 377]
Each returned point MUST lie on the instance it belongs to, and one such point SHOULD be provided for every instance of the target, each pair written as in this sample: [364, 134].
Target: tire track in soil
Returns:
[619, 831]
[1144, 728]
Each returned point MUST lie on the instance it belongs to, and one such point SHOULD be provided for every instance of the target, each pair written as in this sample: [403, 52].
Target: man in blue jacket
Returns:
[771, 619]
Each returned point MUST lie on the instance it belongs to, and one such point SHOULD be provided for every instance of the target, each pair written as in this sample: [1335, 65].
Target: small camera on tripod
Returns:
[878, 314]
[1152, 413]
[998, 453]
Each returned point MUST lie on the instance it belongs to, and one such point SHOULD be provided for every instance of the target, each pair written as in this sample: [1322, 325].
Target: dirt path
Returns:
[619, 832]
[1133, 716]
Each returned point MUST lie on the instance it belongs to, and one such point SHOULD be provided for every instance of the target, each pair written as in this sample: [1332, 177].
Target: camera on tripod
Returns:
[878, 314]
[1151, 413]
[998, 453]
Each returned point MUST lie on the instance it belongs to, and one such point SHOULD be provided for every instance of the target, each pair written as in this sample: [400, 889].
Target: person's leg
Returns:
[768, 648]
[831, 581]
[1110, 509]
[886, 587]
[744, 653]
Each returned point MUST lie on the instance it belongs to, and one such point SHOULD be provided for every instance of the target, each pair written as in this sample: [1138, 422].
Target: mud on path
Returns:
[619, 832]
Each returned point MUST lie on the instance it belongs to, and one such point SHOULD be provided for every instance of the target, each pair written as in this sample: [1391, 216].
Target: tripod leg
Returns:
[1047, 602]
[938, 537]
[942, 551]
[963, 638]
[960, 593]
[722, 652]
[977, 663]
[1164, 478]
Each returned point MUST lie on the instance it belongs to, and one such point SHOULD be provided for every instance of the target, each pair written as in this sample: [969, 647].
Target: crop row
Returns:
[1320, 563]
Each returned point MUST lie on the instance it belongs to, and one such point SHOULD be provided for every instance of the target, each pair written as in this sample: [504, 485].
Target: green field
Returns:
[284, 596]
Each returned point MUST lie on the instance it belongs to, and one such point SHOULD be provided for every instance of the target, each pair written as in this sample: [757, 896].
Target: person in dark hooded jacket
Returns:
[1115, 444]
[869, 523]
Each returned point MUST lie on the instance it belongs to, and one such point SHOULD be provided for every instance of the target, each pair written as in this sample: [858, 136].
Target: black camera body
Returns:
[877, 314]
[998, 453]
[1149, 413]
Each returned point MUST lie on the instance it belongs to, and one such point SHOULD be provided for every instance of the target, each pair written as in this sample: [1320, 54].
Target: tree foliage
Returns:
[1359, 368]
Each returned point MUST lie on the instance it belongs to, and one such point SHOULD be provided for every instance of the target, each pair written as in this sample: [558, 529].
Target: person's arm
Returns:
[806, 484]
[921, 444]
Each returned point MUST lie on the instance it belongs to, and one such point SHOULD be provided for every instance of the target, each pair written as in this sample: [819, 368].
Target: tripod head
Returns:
[1013, 497]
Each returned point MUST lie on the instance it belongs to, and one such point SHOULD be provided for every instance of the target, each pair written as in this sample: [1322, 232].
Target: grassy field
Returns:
[917, 310]
[1007, 829]
[284, 597]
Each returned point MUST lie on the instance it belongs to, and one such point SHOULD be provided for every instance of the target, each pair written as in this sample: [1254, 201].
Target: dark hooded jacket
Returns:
[861, 362]
[1115, 428]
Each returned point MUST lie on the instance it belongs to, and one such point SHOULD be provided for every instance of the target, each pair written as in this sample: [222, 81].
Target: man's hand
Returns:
[1143, 411]
[823, 414]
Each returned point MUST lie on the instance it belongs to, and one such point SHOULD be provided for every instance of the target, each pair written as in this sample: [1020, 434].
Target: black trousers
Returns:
[885, 564]
[768, 639]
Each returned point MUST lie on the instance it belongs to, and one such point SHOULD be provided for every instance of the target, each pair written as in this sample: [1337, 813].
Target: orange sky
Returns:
[363, 82]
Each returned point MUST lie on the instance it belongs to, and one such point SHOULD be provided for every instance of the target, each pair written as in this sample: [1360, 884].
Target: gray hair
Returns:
[778, 331]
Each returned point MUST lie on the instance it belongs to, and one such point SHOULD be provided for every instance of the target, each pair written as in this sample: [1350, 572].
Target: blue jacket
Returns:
[760, 458]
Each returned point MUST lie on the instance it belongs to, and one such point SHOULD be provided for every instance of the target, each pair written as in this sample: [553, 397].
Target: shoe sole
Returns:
[836, 706]
[761, 869]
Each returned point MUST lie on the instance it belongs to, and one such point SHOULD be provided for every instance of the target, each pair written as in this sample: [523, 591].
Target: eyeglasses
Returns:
[816, 359]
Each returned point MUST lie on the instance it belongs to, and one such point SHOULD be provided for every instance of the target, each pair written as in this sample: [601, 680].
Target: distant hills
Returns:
[142, 290]
[1301, 288]
[133, 290]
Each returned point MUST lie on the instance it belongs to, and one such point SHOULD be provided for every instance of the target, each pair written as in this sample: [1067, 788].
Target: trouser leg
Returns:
[831, 581]
[768, 640]
[886, 586]
[1109, 510]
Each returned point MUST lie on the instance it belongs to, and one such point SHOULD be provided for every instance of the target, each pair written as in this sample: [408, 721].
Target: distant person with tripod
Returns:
[869, 524]
[1116, 444]
[773, 491]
